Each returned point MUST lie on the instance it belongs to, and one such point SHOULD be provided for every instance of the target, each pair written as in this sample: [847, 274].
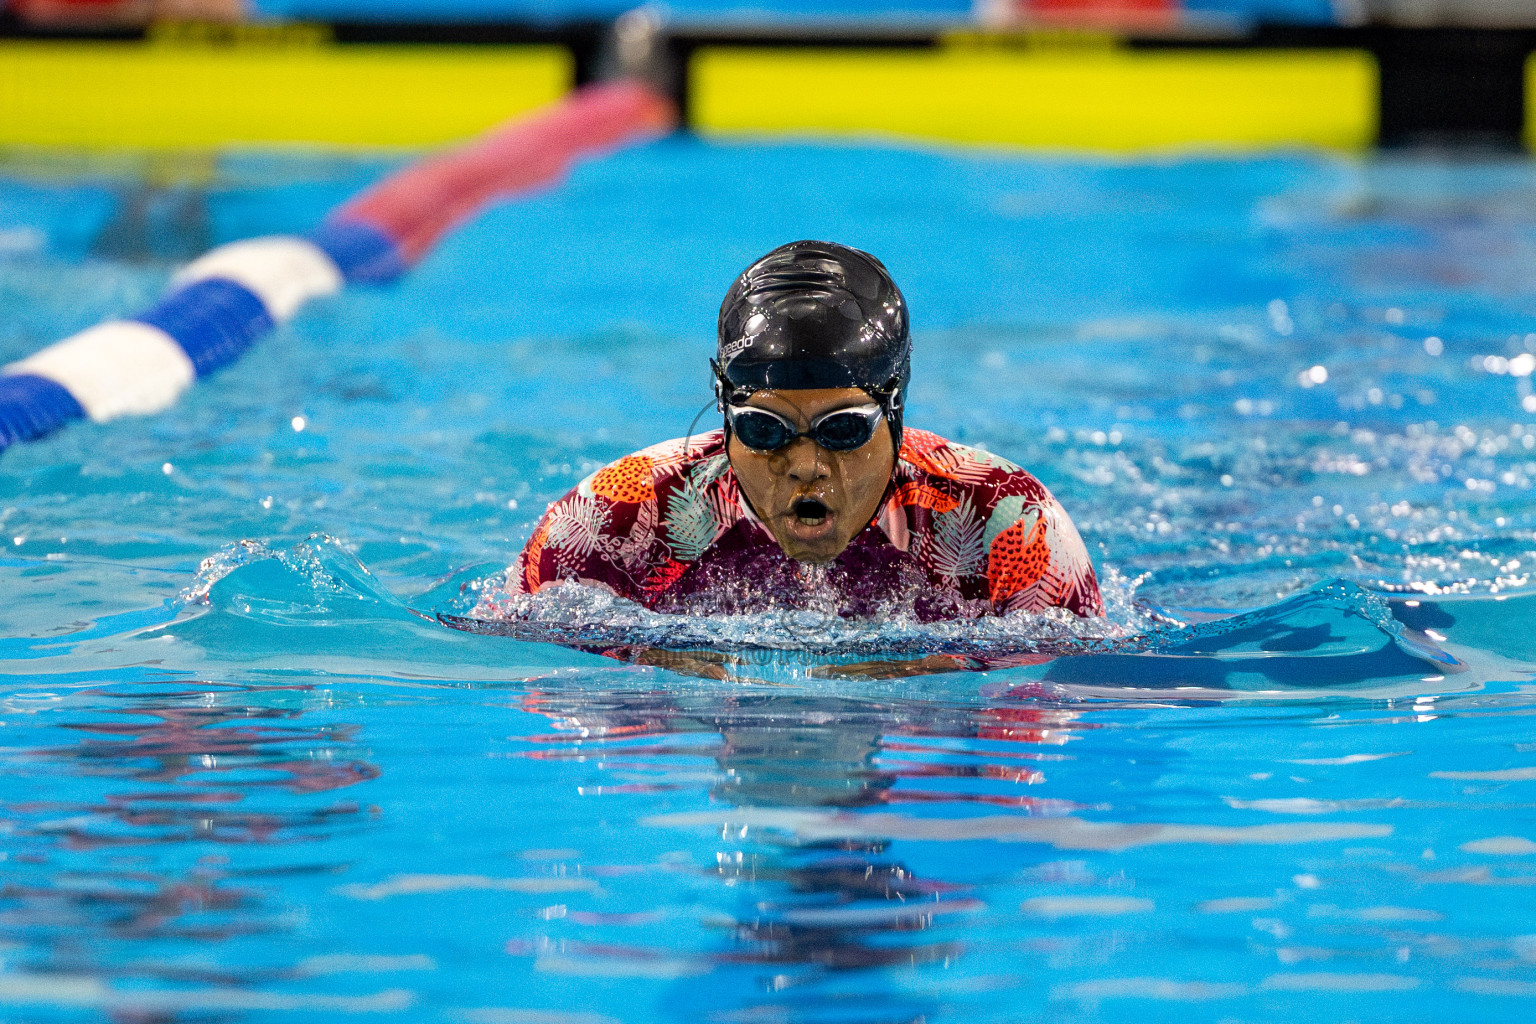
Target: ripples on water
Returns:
[1287, 400]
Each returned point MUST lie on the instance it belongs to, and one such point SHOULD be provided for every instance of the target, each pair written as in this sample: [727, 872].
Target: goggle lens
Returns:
[762, 431]
[841, 431]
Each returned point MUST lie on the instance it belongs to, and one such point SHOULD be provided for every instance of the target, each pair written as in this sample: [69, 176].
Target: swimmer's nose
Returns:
[805, 461]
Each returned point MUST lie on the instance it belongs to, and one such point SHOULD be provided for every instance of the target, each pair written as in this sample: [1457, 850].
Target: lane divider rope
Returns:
[219, 304]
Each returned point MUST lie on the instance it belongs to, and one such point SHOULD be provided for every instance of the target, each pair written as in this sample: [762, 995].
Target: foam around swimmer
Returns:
[574, 612]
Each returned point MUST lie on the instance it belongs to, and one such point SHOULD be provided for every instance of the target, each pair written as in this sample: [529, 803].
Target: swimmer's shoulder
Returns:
[947, 476]
[936, 460]
[1030, 552]
[636, 478]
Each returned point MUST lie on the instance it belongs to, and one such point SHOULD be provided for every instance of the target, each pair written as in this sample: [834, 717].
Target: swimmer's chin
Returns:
[810, 539]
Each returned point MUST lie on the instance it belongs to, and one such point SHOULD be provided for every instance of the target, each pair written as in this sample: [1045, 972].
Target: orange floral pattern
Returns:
[626, 481]
[1019, 557]
[923, 496]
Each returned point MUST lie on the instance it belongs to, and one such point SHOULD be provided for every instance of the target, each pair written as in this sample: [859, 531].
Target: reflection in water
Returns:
[162, 216]
[716, 854]
[892, 860]
[92, 880]
[838, 905]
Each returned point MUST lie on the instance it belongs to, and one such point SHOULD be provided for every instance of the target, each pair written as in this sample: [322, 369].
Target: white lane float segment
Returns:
[283, 271]
[119, 368]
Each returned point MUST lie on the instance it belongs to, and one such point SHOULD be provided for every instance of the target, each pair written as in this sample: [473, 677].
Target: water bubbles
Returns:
[14, 241]
[298, 423]
[1521, 365]
[1280, 318]
[1251, 407]
[573, 613]
[1313, 376]
[1433, 345]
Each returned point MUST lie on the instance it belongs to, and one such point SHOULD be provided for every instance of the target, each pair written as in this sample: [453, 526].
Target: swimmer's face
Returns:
[814, 500]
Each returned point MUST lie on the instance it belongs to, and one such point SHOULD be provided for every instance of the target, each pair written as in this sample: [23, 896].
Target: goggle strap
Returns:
[887, 395]
[726, 392]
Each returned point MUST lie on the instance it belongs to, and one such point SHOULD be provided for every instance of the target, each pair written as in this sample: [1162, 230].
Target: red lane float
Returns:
[420, 204]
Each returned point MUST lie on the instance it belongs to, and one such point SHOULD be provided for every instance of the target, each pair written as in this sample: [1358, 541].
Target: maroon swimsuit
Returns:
[962, 533]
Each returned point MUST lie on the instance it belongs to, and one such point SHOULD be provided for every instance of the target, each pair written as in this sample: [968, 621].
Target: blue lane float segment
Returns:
[215, 320]
[360, 251]
[31, 406]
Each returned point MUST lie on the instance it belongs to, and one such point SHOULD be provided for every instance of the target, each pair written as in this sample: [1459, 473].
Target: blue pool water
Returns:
[1293, 778]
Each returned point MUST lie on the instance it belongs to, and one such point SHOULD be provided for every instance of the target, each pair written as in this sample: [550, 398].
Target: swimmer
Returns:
[813, 493]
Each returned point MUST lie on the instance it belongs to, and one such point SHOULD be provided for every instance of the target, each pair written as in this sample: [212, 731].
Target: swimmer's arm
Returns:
[933, 664]
[700, 664]
[563, 548]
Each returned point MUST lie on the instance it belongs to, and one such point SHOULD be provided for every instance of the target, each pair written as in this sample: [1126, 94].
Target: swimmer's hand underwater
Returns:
[813, 493]
[933, 664]
[703, 664]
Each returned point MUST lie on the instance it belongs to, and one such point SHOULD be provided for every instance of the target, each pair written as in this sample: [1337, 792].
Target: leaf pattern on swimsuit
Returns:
[954, 546]
[527, 576]
[691, 523]
[1035, 557]
[577, 529]
[952, 461]
[636, 551]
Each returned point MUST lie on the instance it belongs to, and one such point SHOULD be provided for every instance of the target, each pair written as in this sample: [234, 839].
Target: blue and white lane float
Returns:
[218, 305]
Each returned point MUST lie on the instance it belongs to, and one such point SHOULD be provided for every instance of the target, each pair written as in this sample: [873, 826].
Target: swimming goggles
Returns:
[841, 430]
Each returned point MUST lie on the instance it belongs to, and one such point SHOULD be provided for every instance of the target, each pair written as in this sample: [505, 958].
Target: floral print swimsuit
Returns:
[961, 533]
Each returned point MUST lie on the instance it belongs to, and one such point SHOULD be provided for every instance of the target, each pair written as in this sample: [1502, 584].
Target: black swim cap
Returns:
[815, 315]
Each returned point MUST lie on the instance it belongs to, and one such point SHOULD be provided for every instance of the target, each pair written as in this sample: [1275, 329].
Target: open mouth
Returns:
[810, 511]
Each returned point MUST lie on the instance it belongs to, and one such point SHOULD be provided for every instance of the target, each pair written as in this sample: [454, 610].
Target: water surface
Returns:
[245, 780]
